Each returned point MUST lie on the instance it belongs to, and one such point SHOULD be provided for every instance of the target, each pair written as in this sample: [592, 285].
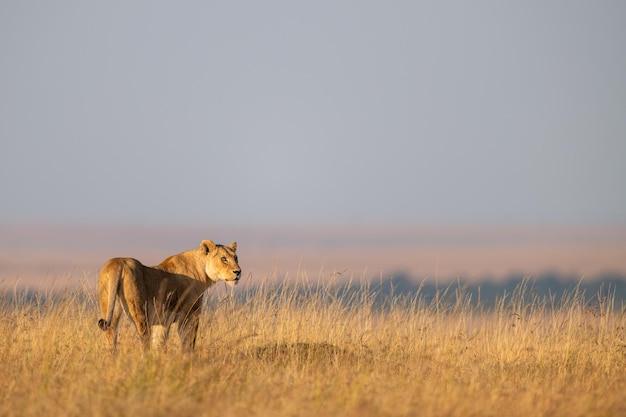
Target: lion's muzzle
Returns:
[235, 279]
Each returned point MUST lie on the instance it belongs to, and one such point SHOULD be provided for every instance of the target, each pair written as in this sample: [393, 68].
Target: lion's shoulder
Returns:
[181, 262]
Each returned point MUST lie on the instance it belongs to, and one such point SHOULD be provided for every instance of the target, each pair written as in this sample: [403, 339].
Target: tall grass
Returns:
[321, 349]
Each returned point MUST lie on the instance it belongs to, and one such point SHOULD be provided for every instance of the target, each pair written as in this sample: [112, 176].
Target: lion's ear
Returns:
[233, 246]
[207, 246]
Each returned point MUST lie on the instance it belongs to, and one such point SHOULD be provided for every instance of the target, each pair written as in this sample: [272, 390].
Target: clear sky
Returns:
[317, 111]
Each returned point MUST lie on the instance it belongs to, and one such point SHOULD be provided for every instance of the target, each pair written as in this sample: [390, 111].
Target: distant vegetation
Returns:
[308, 349]
[552, 287]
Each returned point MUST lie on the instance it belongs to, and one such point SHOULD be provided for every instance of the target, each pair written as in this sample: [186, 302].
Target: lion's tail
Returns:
[115, 277]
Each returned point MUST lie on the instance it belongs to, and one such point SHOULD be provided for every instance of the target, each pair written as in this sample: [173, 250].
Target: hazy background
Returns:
[284, 114]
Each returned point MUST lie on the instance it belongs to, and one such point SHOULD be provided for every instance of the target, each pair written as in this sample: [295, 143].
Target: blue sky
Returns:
[313, 112]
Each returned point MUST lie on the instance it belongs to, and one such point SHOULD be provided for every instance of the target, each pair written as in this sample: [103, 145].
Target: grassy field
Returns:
[306, 350]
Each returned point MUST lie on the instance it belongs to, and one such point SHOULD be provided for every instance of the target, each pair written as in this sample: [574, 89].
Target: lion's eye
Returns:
[224, 260]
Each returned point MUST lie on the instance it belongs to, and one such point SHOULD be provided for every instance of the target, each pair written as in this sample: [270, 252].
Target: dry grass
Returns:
[302, 350]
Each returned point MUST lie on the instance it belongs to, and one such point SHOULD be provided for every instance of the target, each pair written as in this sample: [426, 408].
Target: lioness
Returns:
[155, 297]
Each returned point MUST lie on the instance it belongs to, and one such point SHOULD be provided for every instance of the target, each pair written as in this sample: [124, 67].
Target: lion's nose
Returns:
[237, 273]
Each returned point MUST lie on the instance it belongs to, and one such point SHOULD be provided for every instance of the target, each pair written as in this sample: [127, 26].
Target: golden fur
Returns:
[171, 292]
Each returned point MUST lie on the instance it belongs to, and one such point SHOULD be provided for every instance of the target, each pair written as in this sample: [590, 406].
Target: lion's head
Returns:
[221, 262]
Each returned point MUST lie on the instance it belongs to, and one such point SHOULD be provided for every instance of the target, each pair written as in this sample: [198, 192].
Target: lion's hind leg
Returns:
[159, 335]
[187, 331]
[137, 314]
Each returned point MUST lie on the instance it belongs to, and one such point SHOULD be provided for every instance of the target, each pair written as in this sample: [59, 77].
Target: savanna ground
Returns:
[310, 350]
